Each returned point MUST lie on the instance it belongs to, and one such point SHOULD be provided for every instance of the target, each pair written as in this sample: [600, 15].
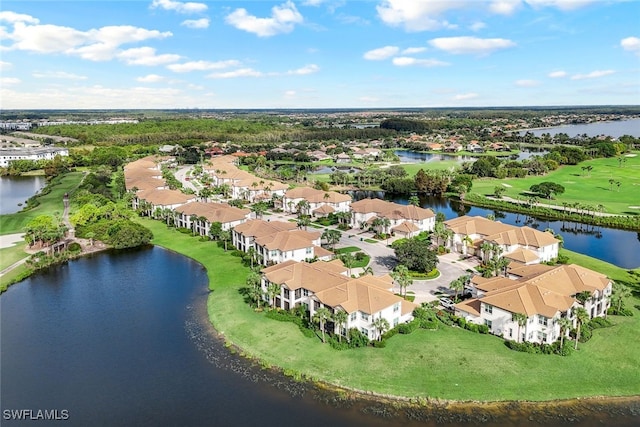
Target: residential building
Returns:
[199, 216]
[297, 245]
[34, 154]
[542, 293]
[522, 244]
[321, 203]
[407, 220]
[325, 284]
[243, 236]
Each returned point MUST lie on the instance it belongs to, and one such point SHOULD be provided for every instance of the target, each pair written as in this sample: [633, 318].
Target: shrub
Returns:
[622, 312]
[407, 328]
[357, 338]
[391, 332]
[429, 324]
[483, 329]
[75, 247]
[444, 317]
[380, 344]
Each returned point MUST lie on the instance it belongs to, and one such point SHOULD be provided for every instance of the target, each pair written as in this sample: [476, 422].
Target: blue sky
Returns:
[318, 53]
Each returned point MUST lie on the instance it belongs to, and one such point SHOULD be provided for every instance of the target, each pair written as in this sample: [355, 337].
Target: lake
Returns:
[17, 189]
[122, 339]
[613, 129]
[410, 156]
[618, 247]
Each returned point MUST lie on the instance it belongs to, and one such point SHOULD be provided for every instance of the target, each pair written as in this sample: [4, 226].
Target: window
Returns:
[365, 317]
[286, 293]
[396, 307]
[510, 332]
[354, 316]
[488, 308]
[488, 323]
[316, 305]
[542, 320]
[544, 337]
[395, 322]
[305, 292]
[298, 293]
[309, 251]
[365, 332]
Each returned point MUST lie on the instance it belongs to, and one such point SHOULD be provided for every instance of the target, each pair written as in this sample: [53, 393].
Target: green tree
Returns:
[547, 189]
[620, 293]
[414, 200]
[273, 290]
[259, 209]
[225, 237]
[565, 324]
[340, 318]
[381, 325]
[457, 285]
[321, 317]
[521, 320]
[348, 260]
[401, 276]
[332, 237]
[582, 317]
[416, 255]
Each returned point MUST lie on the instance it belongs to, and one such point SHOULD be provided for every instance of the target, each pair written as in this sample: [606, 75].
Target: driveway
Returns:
[181, 174]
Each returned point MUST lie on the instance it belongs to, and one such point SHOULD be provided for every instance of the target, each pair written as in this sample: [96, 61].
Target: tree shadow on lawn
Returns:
[246, 294]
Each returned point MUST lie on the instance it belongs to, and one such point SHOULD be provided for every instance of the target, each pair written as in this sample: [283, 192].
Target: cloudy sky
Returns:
[318, 53]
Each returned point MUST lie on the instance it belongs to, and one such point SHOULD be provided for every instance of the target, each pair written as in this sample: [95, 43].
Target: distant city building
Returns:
[9, 155]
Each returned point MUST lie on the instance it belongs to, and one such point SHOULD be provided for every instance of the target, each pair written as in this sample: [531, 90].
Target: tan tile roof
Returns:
[324, 209]
[316, 196]
[391, 210]
[214, 212]
[406, 227]
[523, 255]
[165, 197]
[315, 276]
[288, 240]
[321, 252]
[544, 293]
[503, 234]
[368, 294]
[258, 227]
[471, 306]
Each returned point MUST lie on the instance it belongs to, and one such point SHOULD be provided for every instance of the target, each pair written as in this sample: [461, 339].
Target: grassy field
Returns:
[587, 188]
[49, 204]
[413, 168]
[449, 363]
[11, 255]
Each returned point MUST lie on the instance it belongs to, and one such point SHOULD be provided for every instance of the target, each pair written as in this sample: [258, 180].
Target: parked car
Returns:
[447, 303]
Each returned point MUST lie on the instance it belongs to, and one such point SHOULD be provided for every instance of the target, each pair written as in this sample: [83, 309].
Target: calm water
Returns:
[122, 339]
[618, 247]
[17, 189]
[410, 156]
[613, 129]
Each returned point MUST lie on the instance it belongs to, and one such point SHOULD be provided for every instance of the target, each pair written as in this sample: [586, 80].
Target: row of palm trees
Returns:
[580, 313]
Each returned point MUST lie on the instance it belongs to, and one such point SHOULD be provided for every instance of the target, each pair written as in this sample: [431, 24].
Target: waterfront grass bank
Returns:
[449, 363]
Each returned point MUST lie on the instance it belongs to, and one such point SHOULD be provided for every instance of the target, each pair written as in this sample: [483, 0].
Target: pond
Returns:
[618, 247]
[15, 190]
[410, 156]
[122, 339]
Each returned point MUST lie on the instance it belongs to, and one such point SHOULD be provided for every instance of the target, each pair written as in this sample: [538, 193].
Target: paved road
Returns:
[181, 174]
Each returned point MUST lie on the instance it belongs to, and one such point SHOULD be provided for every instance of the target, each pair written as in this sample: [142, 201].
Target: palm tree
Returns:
[377, 225]
[381, 325]
[620, 293]
[193, 218]
[521, 320]
[332, 237]
[225, 236]
[466, 243]
[485, 248]
[348, 260]
[321, 316]
[303, 207]
[340, 318]
[582, 317]
[367, 270]
[401, 276]
[457, 285]
[259, 209]
[303, 221]
[273, 290]
[414, 200]
[565, 325]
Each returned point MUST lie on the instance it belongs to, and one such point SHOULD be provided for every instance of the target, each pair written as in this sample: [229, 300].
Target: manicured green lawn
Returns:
[413, 168]
[49, 204]
[449, 363]
[581, 187]
[11, 255]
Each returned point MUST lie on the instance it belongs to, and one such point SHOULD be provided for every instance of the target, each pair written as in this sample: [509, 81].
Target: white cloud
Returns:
[150, 78]
[470, 45]
[101, 44]
[146, 56]
[527, 83]
[12, 18]
[4, 66]
[413, 50]
[557, 74]
[592, 75]
[415, 15]
[290, 94]
[180, 7]
[632, 44]
[504, 7]
[196, 23]
[58, 75]
[312, 2]
[6, 81]
[406, 61]
[560, 4]
[283, 19]
[465, 96]
[477, 26]
[307, 69]
[368, 99]
[242, 72]
[203, 66]
[381, 53]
